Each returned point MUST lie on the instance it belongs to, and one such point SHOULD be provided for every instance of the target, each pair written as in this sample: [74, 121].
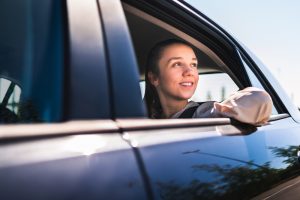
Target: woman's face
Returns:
[178, 74]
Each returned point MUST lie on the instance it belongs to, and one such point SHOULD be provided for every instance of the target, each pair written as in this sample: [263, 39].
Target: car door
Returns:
[216, 161]
[72, 160]
[70, 148]
[214, 158]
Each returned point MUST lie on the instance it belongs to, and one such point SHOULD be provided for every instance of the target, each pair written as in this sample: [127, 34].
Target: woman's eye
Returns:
[194, 65]
[178, 64]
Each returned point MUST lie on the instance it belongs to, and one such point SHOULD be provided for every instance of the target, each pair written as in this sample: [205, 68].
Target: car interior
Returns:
[147, 30]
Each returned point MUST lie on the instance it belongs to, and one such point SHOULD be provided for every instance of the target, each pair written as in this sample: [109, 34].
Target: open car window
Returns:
[147, 30]
[217, 80]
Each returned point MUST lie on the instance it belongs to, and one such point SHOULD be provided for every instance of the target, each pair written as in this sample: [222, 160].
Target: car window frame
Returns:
[243, 83]
[122, 65]
[88, 91]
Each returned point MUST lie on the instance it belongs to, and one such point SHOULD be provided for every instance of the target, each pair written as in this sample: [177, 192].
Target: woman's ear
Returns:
[153, 79]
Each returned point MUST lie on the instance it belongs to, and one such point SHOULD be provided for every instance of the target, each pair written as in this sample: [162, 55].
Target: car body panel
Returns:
[87, 62]
[86, 166]
[201, 162]
[123, 66]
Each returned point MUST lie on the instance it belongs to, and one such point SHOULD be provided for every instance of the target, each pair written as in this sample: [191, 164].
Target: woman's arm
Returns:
[250, 105]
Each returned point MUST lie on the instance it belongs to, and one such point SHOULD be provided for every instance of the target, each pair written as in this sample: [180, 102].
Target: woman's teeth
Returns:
[186, 84]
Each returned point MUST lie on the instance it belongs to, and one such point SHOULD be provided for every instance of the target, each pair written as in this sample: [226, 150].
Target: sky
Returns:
[269, 28]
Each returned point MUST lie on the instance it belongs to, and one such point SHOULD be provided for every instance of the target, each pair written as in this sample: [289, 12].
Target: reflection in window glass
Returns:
[11, 99]
[4, 84]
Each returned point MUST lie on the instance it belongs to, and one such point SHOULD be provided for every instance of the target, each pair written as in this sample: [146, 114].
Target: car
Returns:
[73, 121]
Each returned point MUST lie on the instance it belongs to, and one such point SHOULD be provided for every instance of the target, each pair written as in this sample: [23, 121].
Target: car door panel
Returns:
[87, 78]
[198, 162]
[86, 161]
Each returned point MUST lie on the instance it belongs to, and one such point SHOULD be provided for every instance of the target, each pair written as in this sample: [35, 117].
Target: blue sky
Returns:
[269, 28]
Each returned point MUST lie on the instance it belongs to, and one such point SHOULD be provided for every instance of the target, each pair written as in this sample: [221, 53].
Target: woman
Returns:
[172, 77]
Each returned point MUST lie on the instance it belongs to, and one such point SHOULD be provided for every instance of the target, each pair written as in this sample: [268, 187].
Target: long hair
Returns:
[151, 96]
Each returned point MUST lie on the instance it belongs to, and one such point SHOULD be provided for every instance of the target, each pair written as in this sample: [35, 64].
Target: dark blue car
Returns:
[73, 121]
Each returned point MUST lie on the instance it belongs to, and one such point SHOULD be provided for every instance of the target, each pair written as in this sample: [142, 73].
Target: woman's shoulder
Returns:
[190, 106]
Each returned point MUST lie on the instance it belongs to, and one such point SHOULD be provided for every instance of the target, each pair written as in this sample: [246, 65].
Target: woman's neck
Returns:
[171, 107]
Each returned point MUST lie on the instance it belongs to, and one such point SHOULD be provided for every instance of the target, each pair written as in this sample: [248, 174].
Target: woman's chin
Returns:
[186, 96]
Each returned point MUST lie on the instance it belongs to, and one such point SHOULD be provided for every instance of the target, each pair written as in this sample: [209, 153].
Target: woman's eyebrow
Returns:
[174, 58]
[178, 58]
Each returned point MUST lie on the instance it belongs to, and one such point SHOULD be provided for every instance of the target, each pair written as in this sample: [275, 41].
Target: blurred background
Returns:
[269, 28]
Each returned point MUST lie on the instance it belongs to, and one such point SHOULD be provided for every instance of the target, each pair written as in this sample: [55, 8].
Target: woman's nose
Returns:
[188, 70]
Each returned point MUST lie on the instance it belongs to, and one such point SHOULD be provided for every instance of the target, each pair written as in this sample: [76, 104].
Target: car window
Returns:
[31, 62]
[216, 80]
[221, 70]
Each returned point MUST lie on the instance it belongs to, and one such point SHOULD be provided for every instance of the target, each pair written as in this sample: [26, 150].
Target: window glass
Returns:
[31, 60]
[10, 95]
[256, 83]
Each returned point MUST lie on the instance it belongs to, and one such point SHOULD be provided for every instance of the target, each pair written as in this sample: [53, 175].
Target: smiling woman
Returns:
[172, 78]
